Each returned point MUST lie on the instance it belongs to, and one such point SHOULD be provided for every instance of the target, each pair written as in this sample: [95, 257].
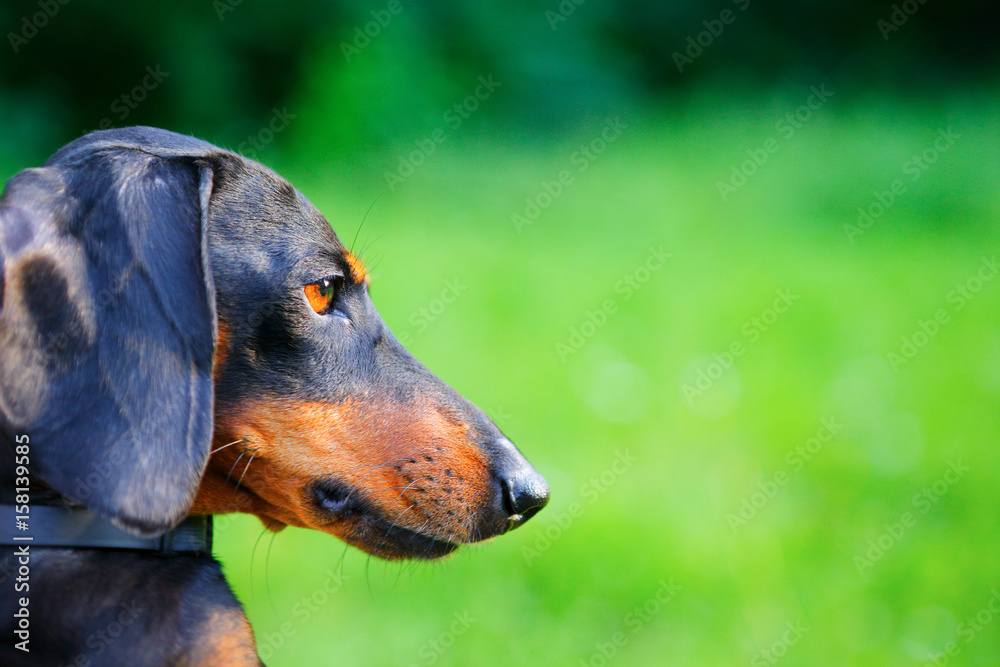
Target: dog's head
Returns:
[181, 330]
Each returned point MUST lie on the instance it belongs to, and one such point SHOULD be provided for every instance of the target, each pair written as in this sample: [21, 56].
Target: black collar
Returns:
[80, 528]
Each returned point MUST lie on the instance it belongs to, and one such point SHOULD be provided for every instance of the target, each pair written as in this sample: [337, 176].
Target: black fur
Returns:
[107, 329]
[118, 258]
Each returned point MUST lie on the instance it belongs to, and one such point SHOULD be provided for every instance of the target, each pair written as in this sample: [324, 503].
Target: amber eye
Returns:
[321, 294]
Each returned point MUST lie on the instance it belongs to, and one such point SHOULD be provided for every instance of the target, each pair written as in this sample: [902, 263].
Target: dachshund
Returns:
[182, 334]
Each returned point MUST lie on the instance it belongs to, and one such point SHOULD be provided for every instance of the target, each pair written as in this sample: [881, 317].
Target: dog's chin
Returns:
[362, 524]
[376, 536]
[402, 543]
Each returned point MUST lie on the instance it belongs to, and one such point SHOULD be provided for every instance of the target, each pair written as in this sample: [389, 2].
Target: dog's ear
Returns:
[107, 328]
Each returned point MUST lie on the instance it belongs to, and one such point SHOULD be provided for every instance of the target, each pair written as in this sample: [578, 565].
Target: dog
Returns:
[182, 334]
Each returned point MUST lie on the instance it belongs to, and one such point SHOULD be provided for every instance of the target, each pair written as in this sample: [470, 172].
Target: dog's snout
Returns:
[524, 491]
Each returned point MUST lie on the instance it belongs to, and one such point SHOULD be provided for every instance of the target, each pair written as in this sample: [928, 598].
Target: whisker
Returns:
[234, 467]
[398, 517]
[267, 581]
[253, 555]
[368, 244]
[379, 465]
[374, 264]
[219, 449]
[434, 539]
[354, 242]
[245, 470]
[402, 489]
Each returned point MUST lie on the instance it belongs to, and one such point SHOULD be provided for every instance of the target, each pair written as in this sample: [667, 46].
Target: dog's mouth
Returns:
[356, 519]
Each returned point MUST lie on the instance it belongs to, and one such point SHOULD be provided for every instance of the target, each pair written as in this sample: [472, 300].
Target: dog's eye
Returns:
[323, 293]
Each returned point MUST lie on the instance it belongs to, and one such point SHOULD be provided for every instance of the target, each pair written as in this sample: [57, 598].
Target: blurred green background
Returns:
[725, 272]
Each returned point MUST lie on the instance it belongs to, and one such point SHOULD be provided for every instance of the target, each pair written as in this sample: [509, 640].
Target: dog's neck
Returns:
[79, 528]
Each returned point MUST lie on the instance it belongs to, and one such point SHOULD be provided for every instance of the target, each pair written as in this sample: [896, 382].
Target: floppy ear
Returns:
[107, 329]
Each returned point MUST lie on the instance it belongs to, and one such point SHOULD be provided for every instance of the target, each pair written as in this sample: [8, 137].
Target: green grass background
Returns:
[635, 564]
[557, 591]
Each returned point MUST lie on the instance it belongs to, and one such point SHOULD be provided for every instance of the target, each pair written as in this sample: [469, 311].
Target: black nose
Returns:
[525, 492]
